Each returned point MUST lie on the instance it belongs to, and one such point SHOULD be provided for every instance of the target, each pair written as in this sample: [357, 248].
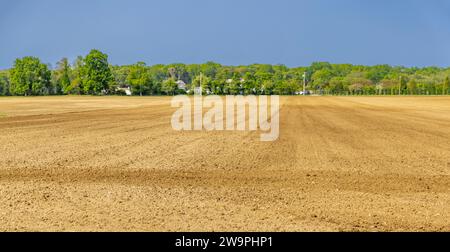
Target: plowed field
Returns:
[116, 164]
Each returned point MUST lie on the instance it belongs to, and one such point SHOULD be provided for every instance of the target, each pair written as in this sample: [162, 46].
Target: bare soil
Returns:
[115, 164]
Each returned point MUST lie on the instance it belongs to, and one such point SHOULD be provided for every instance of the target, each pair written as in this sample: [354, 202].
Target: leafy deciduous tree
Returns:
[138, 77]
[30, 77]
[169, 86]
[96, 73]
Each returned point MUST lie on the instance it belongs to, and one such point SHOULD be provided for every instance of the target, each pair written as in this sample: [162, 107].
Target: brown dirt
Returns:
[115, 164]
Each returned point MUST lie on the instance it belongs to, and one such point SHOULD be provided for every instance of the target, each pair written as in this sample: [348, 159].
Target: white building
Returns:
[127, 90]
[181, 85]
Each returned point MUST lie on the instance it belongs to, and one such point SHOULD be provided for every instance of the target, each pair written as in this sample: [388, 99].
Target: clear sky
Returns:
[231, 32]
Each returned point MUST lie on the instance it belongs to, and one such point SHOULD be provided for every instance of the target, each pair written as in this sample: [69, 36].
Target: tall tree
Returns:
[4, 83]
[445, 86]
[76, 82]
[30, 77]
[63, 75]
[202, 81]
[401, 84]
[138, 77]
[169, 86]
[96, 73]
[336, 85]
[321, 78]
[412, 86]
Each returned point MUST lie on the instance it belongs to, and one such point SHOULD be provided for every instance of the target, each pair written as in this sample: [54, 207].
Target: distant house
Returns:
[181, 85]
[126, 90]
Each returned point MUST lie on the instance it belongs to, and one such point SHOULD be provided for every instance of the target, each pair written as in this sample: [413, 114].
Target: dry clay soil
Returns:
[116, 164]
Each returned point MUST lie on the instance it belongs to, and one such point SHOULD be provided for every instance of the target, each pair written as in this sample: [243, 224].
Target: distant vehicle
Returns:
[307, 92]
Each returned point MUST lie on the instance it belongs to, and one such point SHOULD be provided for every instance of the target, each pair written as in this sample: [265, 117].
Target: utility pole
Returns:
[400, 85]
[304, 83]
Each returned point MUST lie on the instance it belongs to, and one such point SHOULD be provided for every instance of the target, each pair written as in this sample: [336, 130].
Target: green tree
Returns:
[387, 87]
[92, 75]
[286, 87]
[62, 75]
[120, 74]
[445, 86]
[321, 78]
[317, 66]
[157, 75]
[96, 73]
[210, 69]
[169, 86]
[178, 72]
[249, 84]
[202, 81]
[378, 73]
[217, 87]
[412, 86]
[4, 83]
[77, 75]
[402, 84]
[233, 86]
[138, 77]
[267, 87]
[30, 77]
[336, 85]
[360, 86]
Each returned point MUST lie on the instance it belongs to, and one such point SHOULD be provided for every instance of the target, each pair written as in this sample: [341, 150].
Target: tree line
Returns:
[93, 75]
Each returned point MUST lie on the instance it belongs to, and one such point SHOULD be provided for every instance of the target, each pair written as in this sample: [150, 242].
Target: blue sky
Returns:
[231, 32]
